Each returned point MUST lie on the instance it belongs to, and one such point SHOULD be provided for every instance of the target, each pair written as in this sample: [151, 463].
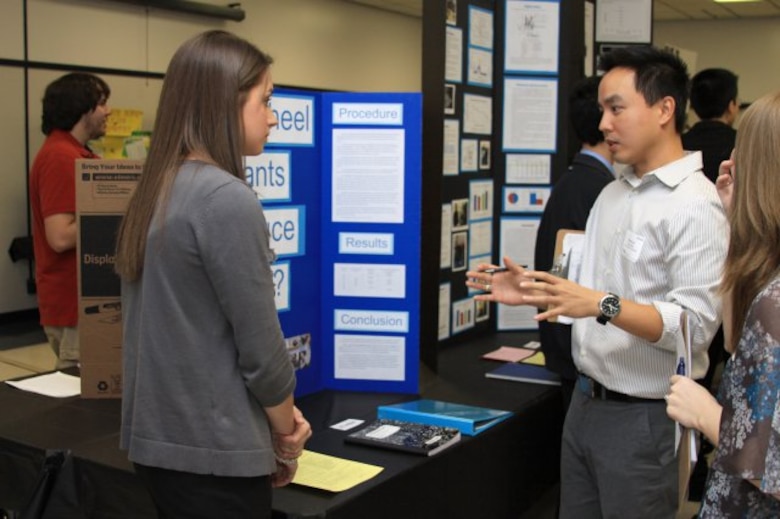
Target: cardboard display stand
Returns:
[103, 189]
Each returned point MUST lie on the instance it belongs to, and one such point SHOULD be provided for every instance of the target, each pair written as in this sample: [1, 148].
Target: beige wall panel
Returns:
[326, 44]
[13, 192]
[86, 32]
[748, 47]
[331, 44]
[12, 34]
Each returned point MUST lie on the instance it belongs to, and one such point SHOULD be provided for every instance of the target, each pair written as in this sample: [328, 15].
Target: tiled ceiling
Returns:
[663, 10]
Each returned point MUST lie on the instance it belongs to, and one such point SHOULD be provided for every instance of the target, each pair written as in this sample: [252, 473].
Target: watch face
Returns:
[610, 305]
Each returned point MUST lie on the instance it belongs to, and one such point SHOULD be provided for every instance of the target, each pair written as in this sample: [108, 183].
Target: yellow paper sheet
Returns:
[536, 359]
[122, 122]
[330, 473]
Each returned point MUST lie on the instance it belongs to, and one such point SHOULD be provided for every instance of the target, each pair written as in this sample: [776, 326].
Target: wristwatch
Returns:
[609, 306]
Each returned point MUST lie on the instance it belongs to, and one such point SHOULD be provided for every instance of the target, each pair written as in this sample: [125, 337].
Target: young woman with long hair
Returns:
[744, 479]
[208, 417]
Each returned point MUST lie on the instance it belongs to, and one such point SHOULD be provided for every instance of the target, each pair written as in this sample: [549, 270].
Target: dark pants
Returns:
[179, 495]
[617, 460]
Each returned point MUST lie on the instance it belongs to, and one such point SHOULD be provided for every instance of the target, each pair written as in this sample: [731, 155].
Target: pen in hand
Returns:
[681, 366]
[496, 270]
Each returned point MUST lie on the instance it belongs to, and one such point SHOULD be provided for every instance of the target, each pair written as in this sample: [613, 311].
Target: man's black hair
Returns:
[712, 90]
[584, 111]
[659, 73]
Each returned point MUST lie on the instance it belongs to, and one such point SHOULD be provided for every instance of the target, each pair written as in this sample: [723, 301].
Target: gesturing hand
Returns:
[500, 287]
[558, 296]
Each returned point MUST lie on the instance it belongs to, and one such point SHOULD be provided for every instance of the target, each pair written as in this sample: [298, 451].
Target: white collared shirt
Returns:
[661, 240]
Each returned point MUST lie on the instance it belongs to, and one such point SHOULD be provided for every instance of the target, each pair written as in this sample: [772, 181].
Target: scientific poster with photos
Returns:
[468, 209]
[498, 64]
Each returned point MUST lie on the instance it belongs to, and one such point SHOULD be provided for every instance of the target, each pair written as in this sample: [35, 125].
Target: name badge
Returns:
[632, 246]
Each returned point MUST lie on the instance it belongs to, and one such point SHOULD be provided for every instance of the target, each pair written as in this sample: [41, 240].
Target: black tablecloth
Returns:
[496, 474]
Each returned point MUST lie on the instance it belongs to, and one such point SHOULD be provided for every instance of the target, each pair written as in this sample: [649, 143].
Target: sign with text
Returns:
[371, 321]
[295, 120]
[286, 226]
[366, 243]
[269, 175]
[368, 113]
[281, 275]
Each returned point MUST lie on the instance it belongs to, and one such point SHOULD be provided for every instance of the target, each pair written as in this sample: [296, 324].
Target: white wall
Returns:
[325, 44]
[748, 47]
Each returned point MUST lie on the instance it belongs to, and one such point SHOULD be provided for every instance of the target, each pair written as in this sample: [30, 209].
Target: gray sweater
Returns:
[203, 351]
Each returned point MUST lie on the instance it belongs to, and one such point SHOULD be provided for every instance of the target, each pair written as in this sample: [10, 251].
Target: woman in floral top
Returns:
[744, 422]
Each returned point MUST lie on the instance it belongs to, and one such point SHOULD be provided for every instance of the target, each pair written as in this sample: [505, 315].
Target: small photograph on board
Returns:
[452, 12]
[484, 154]
[449, 98]
[481, 310]
[460, 243]
[299, 350]
[460, 214]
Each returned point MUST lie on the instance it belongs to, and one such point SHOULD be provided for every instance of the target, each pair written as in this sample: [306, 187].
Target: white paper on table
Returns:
[57, 385]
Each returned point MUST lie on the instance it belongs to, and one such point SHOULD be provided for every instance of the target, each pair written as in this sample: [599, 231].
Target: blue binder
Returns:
[469, 420]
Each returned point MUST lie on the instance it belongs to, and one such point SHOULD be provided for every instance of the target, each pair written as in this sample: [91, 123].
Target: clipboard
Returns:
[685, 438]
[562, 261]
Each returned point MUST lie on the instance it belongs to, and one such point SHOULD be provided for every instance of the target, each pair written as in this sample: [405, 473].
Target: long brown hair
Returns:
[204, 90]
[754, 250]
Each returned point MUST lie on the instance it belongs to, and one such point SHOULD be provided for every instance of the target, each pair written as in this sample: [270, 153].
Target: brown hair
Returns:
[205, 87]
[68, 98]
[754, 250]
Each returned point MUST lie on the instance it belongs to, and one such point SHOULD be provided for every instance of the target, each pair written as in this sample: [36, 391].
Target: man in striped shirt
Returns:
[655, 243]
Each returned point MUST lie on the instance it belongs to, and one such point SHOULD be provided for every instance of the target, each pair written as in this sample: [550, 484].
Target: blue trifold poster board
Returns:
[340, 184]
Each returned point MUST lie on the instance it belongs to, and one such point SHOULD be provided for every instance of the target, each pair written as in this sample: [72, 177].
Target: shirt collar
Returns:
[671, 174]
[599, 158]
[62, 135]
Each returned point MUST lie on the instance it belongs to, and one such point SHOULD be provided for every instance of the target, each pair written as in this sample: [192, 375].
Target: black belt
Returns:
[594, 389]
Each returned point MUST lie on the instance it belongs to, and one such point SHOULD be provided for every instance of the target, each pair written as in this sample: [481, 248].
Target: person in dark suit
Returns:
[714, 99]
[568, 208]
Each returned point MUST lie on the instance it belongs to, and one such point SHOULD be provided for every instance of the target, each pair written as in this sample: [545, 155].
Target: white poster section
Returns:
[373, 256]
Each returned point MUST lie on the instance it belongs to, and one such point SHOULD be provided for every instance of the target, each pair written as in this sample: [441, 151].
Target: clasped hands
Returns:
[288, 448]
[518, 286]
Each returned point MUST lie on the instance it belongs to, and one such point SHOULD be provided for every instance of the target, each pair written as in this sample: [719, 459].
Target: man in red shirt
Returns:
[74, 111]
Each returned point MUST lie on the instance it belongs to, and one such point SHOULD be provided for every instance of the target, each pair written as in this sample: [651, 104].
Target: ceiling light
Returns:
[734, 1]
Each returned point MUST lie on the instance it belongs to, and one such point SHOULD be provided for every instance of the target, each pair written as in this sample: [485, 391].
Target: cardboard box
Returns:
[103, 189]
